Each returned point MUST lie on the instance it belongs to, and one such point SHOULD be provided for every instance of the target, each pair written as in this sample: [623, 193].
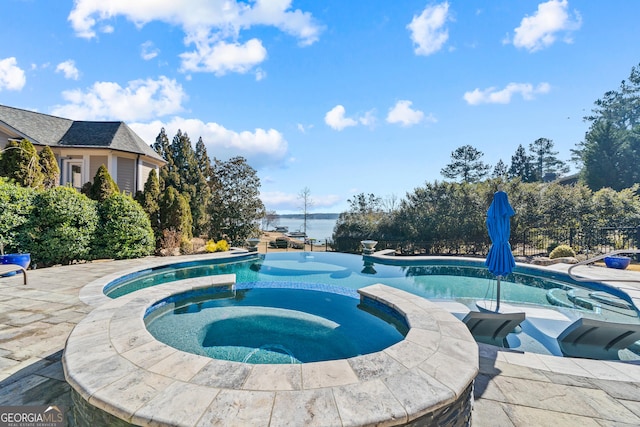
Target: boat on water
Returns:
[296, 234]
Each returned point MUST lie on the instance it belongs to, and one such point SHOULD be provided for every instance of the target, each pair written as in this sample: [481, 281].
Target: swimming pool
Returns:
[445, 278]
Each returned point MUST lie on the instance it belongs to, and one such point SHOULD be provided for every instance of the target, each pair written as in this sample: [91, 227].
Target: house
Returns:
[81, 147]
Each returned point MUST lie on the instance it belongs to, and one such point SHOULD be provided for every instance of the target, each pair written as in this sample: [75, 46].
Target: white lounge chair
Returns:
[13, 268]
[596, 339]
[492, 328]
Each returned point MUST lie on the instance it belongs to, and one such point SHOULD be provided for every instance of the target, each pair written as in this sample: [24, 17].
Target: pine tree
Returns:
[500, 170]
[547, 166]
[466, 164]
[521, 166]
[50, 168]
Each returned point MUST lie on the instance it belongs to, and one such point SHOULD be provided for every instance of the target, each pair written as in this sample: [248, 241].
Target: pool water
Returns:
[457, 279]
[295, 324]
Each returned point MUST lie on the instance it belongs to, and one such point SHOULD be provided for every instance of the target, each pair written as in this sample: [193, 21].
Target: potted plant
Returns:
[23, 260]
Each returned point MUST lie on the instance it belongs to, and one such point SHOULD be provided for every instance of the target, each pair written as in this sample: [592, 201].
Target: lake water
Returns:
[319, 229]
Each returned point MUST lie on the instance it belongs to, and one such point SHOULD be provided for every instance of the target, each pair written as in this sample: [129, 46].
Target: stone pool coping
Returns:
[93, 293]
[114, 363]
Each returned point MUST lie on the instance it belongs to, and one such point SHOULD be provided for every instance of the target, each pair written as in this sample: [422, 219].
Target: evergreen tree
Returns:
[103, 185]
[183, 172]
[613, 139]
[601, 157]
[521, 166]
[50, 168]
[466, 164]
[547, 166]
[175, 214]
[204, 162]
[500, 170]
[149, 200]
[20, 162]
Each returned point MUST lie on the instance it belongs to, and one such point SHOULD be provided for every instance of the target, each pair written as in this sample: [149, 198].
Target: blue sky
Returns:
[340, 97]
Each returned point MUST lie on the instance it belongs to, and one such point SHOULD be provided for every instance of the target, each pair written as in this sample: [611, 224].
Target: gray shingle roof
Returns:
[43, 129]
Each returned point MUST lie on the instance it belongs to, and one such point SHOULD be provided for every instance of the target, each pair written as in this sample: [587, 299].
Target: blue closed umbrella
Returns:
[500, 261]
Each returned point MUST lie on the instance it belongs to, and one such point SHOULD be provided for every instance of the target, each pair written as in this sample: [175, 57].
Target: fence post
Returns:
[571, 231]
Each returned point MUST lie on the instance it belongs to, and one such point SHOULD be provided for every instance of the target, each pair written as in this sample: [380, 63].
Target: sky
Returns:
[336, 97]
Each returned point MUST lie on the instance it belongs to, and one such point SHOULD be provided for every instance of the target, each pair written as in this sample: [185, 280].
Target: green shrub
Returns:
[124, 229]
[20, 162]
[103, 185]
[16, 204]
[61, 227]
[562, 251]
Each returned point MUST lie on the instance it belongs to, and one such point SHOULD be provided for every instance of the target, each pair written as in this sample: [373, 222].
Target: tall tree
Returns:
[467, 165]
[613, 137]
[183, 171]
[547, 166]
[601, 157]
[500, 170]
[204, 162]
[236, 208]
[175, 215]
[521, 166]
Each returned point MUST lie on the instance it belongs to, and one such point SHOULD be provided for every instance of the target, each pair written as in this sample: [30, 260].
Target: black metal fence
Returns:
[531, 242]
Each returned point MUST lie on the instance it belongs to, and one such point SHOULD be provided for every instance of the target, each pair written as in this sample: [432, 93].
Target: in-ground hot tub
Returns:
[275, 323]
[121, 374]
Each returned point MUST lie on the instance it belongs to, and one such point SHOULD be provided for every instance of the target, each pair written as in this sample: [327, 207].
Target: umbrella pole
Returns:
[498, 296]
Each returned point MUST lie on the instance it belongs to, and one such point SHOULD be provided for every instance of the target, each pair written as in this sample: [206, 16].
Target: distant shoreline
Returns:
[310, 216]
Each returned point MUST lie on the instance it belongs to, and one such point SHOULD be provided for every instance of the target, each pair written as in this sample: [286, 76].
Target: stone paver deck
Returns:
[511, 389]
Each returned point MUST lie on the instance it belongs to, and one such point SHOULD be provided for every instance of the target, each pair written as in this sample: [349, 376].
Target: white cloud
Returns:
[336, 119]
[212, 26]
[493, 95]
[368, 119]
[223, 57]
[260, 74]
[148, 51]
[68, 68]
[403, 113]
[428, 31]
[140, 100]
[12, 77]
[540, 30]
[260, 147]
